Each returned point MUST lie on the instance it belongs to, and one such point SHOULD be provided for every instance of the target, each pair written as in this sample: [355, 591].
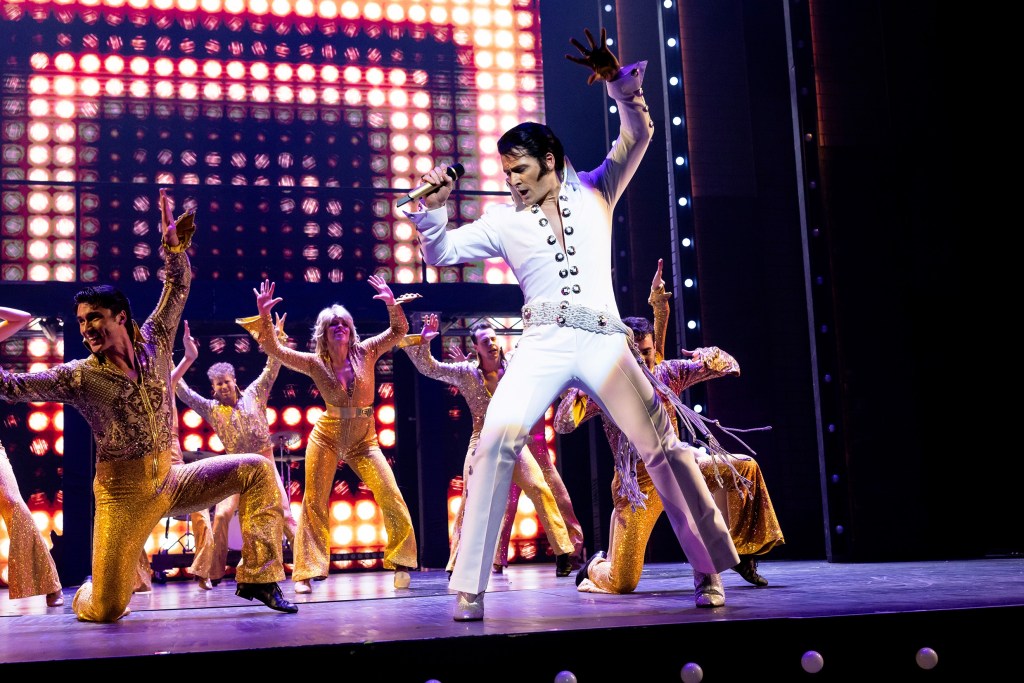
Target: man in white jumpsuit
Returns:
[556, 236]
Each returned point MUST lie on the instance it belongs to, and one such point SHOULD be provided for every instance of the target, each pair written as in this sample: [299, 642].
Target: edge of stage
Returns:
[863, 619]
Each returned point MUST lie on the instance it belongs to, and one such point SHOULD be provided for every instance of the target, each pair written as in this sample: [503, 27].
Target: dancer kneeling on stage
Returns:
[123, 391]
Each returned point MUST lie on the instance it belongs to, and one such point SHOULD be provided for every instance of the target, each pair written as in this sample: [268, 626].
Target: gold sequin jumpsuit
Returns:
[344, 433]
[749, 514]
[242, 428]
[30, 567]
[527, 475]
[136, 482]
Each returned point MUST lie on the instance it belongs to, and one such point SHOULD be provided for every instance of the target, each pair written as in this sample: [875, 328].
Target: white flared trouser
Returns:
[549, 358]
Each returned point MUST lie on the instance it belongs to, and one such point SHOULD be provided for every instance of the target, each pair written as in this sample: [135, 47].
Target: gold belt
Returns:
[346, 413]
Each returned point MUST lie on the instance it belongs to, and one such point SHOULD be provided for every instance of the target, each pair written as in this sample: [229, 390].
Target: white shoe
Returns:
[302, 587]
[54, 599]
[469, 607]
[588, 586]
[708, 590]
[402, 578]
[205, 583]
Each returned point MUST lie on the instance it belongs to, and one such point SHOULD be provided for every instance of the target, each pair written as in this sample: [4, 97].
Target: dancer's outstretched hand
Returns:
[191, 346]
[456, 354]
[384, 292]
[431, 325]
[598, 58]
[265, 297]
[174, 231]
[658, 282]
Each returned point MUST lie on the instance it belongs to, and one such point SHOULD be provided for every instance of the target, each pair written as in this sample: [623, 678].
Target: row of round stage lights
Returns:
[329, 9]
[812, 662]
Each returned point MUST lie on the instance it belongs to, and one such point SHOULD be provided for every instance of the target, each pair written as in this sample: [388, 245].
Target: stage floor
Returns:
[849, 613]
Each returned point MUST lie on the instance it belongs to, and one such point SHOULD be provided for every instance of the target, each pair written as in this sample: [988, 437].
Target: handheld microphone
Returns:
[455, 171]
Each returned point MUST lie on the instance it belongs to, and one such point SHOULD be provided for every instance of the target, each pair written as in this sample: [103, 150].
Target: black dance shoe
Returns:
[563, 564]
[267, 593]
[583, 574]
[747, 568]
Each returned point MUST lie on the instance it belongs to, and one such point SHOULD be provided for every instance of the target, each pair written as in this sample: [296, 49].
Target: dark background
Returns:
[844, 272]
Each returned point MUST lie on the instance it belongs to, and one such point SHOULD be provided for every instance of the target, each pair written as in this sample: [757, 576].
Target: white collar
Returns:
[570, 181]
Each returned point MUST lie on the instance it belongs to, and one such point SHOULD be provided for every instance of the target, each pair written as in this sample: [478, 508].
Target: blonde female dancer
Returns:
[342, 367]
[30, 568]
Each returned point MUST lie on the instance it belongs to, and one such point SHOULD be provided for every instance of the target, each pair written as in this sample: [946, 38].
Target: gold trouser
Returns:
[750, 514]
[750, 517]
[222, 517]
[507, 526]
[203, 548]
[30, 567]
[202, 539]
[538, 447]
[353, 441]
[528, 478]
[131, 498]
[630, 531]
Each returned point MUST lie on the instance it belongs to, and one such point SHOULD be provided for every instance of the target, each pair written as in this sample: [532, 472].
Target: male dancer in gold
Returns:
[343, 370]
[30, 567]
[749, 514]
[239, 419]
[123, 391]
[477, 382]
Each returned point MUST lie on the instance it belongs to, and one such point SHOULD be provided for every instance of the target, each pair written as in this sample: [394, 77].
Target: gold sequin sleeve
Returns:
[202, 405]
[262, 330]
[380, 344]
[162, 324]
[708, 362]
[427, 365]
[465, 376]
[659, 304]
[260, 387]
[574, 409]
[60, 383]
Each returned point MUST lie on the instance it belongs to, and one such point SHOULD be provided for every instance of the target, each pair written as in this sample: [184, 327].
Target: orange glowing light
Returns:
[291, 416]
[38, 421]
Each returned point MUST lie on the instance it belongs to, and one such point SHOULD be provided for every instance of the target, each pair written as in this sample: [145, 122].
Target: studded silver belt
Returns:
[565, 314]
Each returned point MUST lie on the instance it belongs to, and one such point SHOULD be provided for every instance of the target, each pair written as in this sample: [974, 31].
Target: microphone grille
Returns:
[456, 171]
